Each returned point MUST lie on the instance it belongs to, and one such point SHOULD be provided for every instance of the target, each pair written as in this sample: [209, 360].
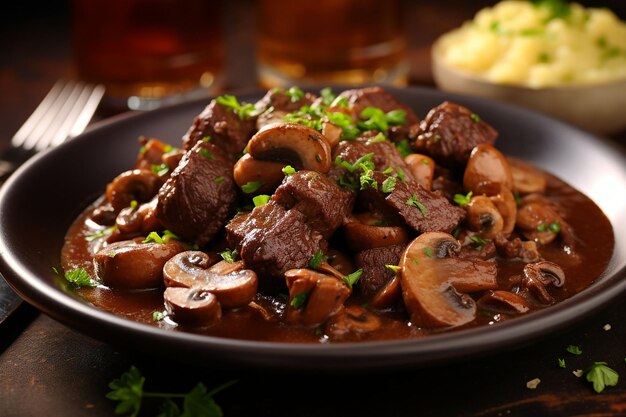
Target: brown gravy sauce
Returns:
[594, 247]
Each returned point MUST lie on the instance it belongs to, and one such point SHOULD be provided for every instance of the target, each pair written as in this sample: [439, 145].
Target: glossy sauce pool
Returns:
[594, 247]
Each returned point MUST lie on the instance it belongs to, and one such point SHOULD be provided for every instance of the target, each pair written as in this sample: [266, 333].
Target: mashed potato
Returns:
[539, 44]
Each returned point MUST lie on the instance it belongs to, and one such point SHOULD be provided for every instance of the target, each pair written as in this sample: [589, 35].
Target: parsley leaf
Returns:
[289, 170]
[206, 153]
[295, 94]
[128, 390]
[153, 237]
[299, 300]
[389, 185]
[199, 403]
[479, 241]
[574, 350]
[251, 186]
[414, 202]
[260, 199]
[561, 363]
[353, 278]
[229, 255]
[394, 268]
[79, 278]
[316, 260]
[463, 200]
[327, 96]
[601, 376]
[219, 179]
[160, 170]
[244, 111]
[404, 148]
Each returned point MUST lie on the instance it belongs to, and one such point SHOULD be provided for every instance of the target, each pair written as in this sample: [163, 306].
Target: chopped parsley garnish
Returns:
[316, 260]
[345, 122]
[554, 227]
[479, 241]
[206, 153]
[388, 185]
[394, 268]
[561, 363]
[251, 186]
[400, 173]
[299, 300]
[160, 170]
[574, 350]
[327, 96]
[79, 278]
[133, 204]
[428, 252]
[244, 111]
[260, 199]
[438, 137]
[153, 237]
[414, 202]
[463, 200]
[100, 233]
[219, 179]
[380, 137]
[475, 117]
[207, 138]
[353, 278]
[229, 255]
[295, 94]
[518, 199]
[364, 161]
[129, 393]
[158, 315]
[366, 180]
[601, 376]
[404, 148]
[289, 170]
[388, 171]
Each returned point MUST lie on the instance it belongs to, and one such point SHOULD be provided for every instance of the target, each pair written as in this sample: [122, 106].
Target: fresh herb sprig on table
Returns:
[129, 392]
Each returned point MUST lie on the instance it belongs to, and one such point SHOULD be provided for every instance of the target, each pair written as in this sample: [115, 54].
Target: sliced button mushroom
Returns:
[268, 173]
[294, 144]
[388, 295]
[140, 218]
[423, 169]
[131, 264]
[192, 306]
[483, 217]
[539, 275]
[190, 269]
[486, 164]
[314, 297]
[138, 184]
[434, 281]
[361, 236]
[542, 223]
[500, 301]
[526, 179]
[352, 323]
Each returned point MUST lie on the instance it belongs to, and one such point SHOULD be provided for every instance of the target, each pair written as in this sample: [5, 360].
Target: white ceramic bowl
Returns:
[600, 108]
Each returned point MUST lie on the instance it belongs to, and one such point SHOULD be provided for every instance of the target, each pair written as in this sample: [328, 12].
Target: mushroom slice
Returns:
[352, 323]
[542, 223]
[138, 184]
[190, 269]
[483, 217]
[539, 275]
[268, 173]
[314, 297]
[486, 164]
[298, 145]
[131, 264]
[360, 235]
[387, 296]
[423, 169]
[500, 301]
[192, 306]
[503, 200]
[434, 281]
[526, 178]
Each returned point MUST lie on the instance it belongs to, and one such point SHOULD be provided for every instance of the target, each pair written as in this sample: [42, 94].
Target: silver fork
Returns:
[62, 114]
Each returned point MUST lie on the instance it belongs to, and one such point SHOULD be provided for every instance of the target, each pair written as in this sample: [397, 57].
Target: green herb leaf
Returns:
[244, 111]
[299, 300]
[558, 9]
[289, 170]
[366, 180]
[345, 122]
[219, 179]
[479, 241]
[251, 186]
[404, 148]
[388, 185]
[414, 202]
[169, 409]
[327, 96]
[574, 350]
[100, 233]
[199, 403]
[128, 390]
[158, 315]
[428, 252]
[601, 376]
[396, 117]
[153, 237]
[160, 170]
[561, 363]
[380, 137]
[463, 200]
[394, 268]
[206, 153]
[295, 94]
[353, 278]
[475, 117]
[260, 199]
[79, 278]
[316, 260]
[229, 255]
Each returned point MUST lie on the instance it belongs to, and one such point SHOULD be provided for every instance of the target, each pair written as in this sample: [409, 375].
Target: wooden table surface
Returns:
[48, 369]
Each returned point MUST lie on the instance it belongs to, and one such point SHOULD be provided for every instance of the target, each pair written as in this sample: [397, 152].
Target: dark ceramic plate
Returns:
[40, 201]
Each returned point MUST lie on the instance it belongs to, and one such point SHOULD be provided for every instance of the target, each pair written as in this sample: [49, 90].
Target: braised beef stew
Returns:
[330, 218]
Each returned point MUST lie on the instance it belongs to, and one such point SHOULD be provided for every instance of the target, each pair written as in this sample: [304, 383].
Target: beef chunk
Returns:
[281, 103]
[361, 98]
[191, 203]
[323, 203]
[375, 273]
[271, 240]
[227, 130]
[449, 133]
[421, 209]
[385, 155]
